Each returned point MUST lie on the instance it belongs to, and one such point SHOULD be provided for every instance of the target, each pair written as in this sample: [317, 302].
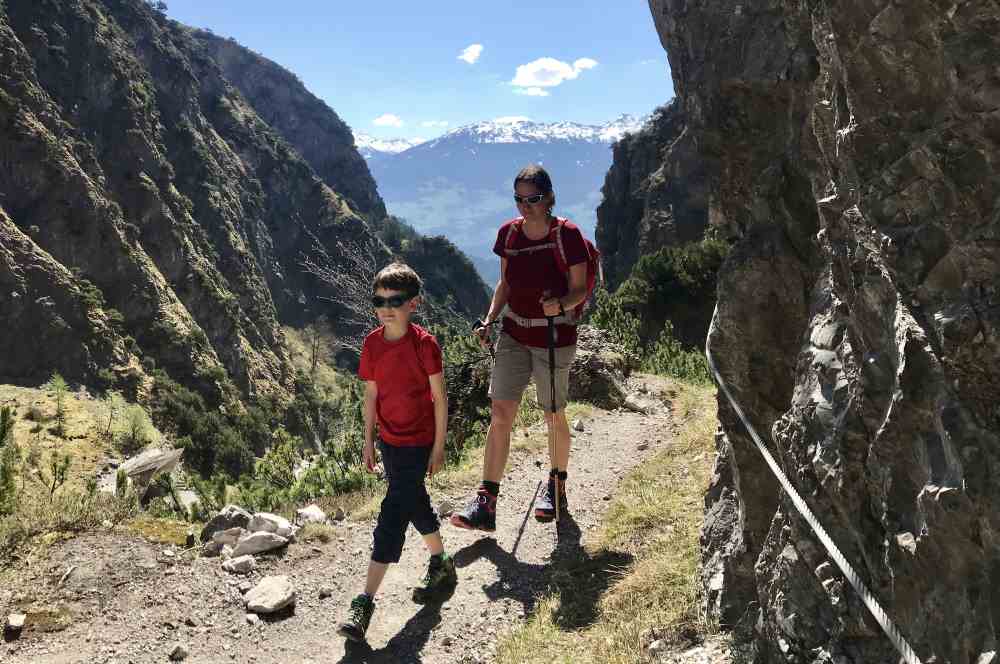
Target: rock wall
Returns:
[655, 194]
[852, 147]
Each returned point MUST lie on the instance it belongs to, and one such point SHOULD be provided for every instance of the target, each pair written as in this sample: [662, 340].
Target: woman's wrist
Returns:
[562, 309]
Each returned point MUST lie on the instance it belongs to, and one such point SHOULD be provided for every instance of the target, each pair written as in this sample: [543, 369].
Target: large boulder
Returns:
[599, 370]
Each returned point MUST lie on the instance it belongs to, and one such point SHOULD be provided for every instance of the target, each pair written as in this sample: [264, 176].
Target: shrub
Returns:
[57, 385]
[10, 457]
[669, 358]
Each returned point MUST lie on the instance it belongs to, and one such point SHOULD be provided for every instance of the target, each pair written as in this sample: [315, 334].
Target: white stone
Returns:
[241, 565]
[311, 514]
[270, 523]
[230, 536]
[178, 653]
[987, 657]
[253, 619]
[273, 593]
[258, 543]
[445, 508]
[578, 424]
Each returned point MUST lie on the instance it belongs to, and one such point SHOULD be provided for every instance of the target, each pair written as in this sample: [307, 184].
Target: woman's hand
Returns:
[483, 332]
[551, 306]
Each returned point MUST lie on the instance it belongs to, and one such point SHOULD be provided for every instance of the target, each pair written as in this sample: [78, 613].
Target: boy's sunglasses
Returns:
[530, 200]
[393, 302]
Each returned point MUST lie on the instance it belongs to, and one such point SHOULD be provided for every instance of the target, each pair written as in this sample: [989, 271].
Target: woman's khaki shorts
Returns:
[516, 364]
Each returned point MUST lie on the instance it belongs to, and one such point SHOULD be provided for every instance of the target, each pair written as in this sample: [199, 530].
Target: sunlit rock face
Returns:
[852, 147]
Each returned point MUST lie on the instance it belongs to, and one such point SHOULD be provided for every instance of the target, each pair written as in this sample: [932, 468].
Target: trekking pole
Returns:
[552, 422]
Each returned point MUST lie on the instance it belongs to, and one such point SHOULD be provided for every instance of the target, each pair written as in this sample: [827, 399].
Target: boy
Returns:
[405, 391]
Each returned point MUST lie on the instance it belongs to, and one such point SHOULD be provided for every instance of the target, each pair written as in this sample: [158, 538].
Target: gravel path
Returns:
[130, 601]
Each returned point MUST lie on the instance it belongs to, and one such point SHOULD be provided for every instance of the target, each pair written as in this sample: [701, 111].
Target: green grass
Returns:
[641, 571]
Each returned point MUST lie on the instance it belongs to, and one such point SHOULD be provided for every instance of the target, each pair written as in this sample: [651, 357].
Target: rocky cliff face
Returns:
[305, 121]
[853, 149]
[655, 194]
[149, 213]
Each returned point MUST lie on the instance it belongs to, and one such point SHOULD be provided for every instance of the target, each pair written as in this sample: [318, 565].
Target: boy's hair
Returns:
[398, 277]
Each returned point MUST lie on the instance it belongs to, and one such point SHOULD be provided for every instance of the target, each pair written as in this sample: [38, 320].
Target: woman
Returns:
[536, 284]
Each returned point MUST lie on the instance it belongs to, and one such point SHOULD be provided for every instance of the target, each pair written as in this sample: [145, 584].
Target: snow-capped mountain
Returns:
[523, 130]
[370, 146]
[460, 184]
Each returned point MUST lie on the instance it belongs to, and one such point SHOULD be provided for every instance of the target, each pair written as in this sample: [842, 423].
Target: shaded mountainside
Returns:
[852, 148]
[655, 194]
[150, 214]
[305, 121]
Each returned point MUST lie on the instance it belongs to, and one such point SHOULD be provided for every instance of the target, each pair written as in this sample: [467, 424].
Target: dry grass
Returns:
[299, 349]
[643, 564]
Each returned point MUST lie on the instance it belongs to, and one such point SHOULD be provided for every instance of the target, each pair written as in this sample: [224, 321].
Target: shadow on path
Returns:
[406, 645]
[575, 577]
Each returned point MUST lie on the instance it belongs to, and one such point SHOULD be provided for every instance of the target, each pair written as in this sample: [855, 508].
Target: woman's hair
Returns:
[539, 177]
[398, 277]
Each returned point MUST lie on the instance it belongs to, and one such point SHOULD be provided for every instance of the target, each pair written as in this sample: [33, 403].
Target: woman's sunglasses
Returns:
[393, 302]
[530, 200]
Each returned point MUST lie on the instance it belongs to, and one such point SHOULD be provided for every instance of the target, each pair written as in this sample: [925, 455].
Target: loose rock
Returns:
[258, 543]
[273, 593]
[241, 565]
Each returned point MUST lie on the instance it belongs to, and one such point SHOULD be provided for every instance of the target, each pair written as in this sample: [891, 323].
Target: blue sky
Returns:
[399, 61]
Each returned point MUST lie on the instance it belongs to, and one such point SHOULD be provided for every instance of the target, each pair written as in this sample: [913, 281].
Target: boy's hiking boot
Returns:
[354, 628]
[545, 505]
[439, 579]
[479, 514]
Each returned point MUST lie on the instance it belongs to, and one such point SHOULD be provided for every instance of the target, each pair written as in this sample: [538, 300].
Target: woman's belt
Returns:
[565, 319]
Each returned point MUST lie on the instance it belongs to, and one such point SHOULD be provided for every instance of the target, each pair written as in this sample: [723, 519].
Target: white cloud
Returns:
[548, 73]
[387, 120]
[471, 53]
[434, 123]
[531, 92]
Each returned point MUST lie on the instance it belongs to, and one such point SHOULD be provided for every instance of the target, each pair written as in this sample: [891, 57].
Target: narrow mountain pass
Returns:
[126, 600]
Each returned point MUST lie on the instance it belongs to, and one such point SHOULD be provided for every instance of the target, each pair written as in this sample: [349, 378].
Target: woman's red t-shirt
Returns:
[530, 275]
[405, 406]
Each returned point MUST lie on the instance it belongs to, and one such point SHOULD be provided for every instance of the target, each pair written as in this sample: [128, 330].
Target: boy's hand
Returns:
[368, 456]
[436, 462]
[483, 332]
[551, 306]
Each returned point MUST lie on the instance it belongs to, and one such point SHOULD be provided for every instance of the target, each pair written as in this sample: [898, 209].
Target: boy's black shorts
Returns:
[406, 500]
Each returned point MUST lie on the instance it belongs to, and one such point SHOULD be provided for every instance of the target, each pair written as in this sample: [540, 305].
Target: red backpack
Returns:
[594, 270]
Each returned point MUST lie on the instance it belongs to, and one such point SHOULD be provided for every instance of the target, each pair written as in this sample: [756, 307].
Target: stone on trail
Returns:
[578, 424]
[273, 593]
[241, 565]
[445, 508]
[270, 523]
[258, 543]
[15, 623]
[179, 653]
[311, 514]
[230, 516]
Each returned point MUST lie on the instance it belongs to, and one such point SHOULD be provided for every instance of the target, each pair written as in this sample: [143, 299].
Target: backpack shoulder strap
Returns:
[555, 236]
[512, 232]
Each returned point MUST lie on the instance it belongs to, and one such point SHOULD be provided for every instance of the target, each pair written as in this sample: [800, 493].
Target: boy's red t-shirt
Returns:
[534, 273]
[404, 407]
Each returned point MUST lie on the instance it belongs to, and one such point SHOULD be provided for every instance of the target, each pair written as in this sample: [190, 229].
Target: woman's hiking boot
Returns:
[360, 614]
[545, 505]
[479, 514]
[439, 579]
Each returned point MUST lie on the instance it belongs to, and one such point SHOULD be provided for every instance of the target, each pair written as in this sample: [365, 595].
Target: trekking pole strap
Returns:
[866, 595]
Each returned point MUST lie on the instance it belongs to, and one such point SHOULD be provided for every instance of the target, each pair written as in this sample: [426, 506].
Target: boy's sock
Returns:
[492, 487]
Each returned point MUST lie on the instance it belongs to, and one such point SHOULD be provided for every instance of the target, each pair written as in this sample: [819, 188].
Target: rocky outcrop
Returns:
[305, 121]
[655, 194]
[133, 172]
[852, 147]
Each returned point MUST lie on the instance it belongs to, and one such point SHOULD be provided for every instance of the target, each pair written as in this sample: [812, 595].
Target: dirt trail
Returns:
[129, 601]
